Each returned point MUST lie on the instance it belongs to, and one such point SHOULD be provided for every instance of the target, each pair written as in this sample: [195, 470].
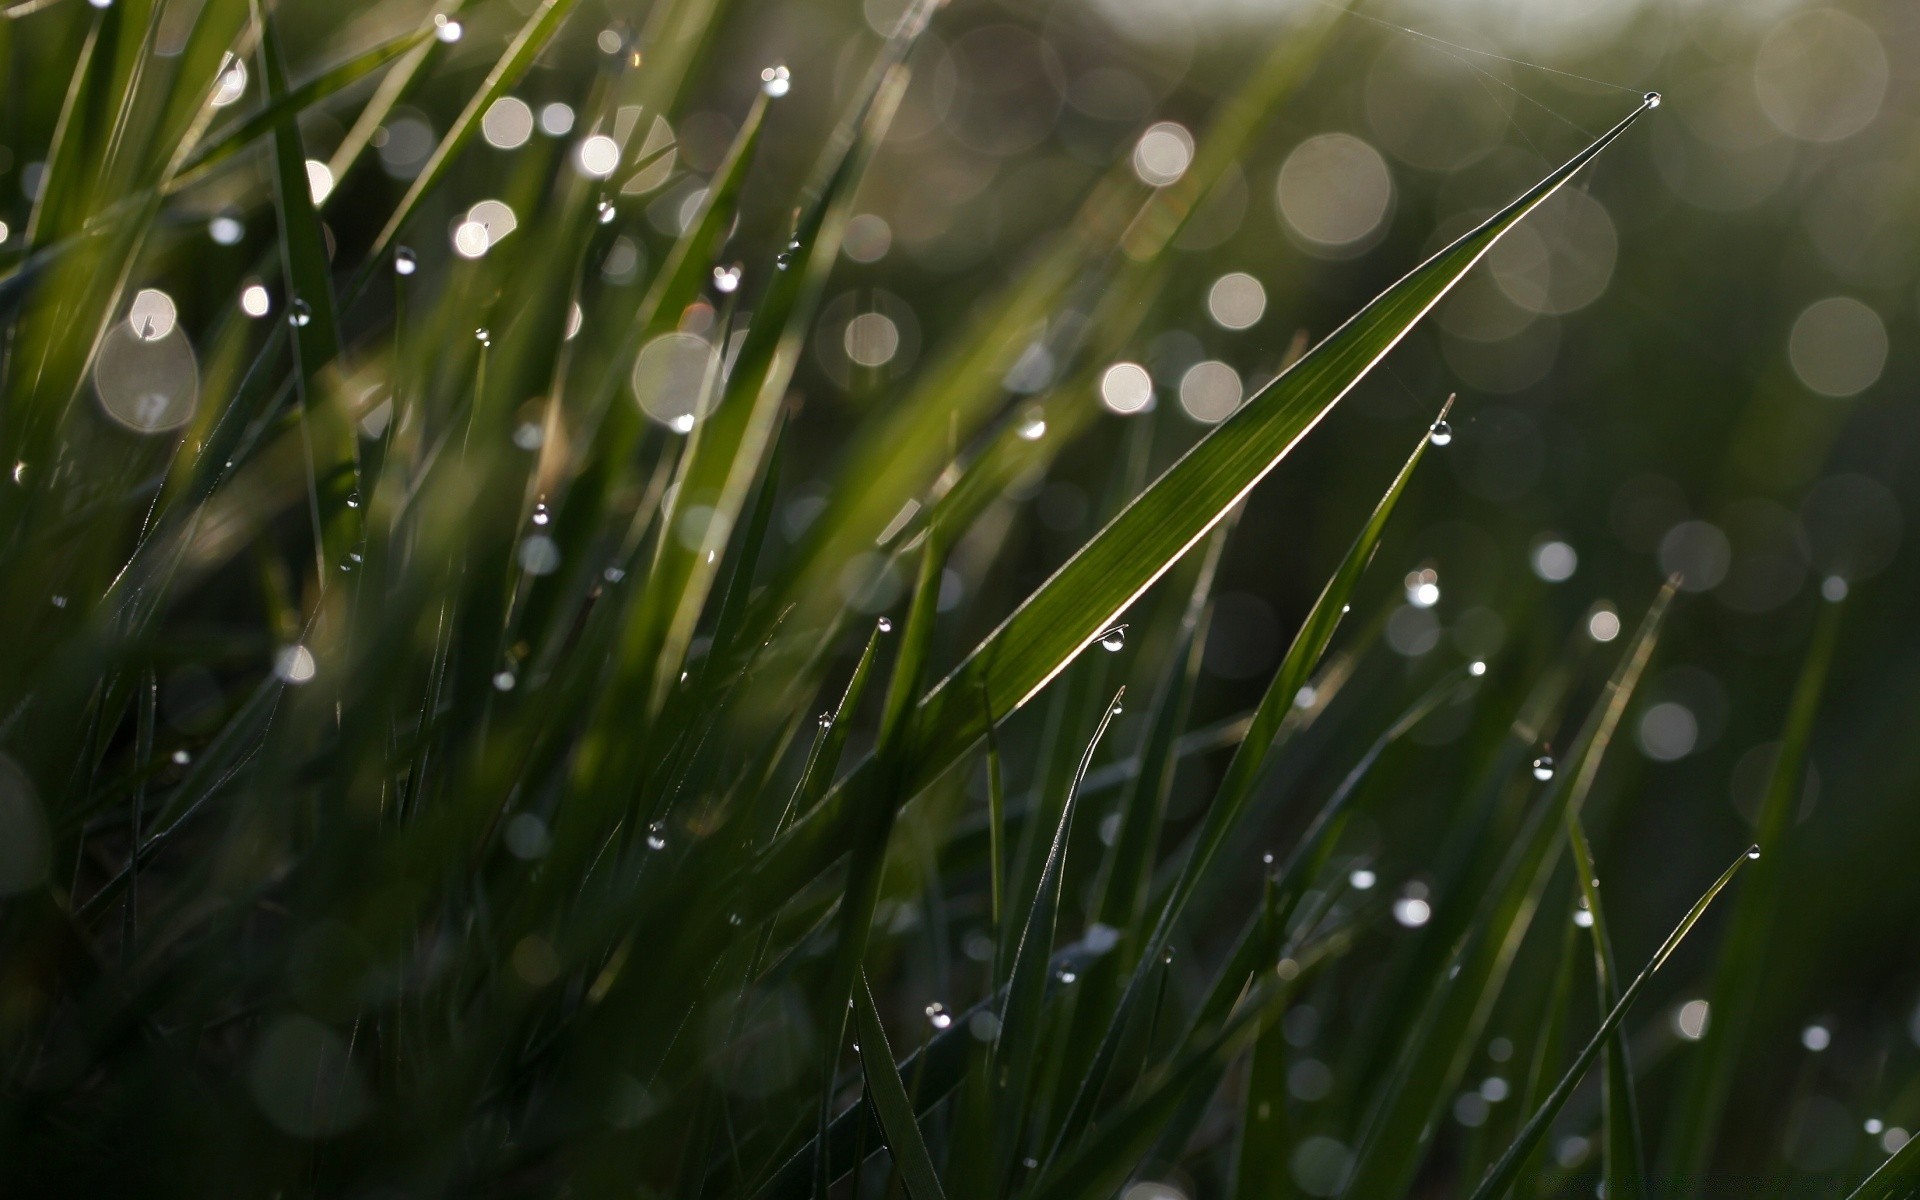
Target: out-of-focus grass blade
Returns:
[310, 311]
[890, 1101]
[1243, 771]
[1623, 1169]
[1434, 1053]
[1505, 1172]
[227, 142]
[1712, 1065]
[900, 452]
[532, 38]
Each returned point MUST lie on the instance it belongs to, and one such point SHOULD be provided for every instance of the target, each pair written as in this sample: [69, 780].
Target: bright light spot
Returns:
[319, 181]
[1320, 1165]
[1210, 391]
[225, 231]
[1698, 552]
[1690, 1020]
[1362, 880]
[776, 81]
[5, 232]
[1603, 625]
[470, 239]
[1894, 1138]
[294, 664]
[867, 239]
[1163, 154]
[1470, 1109]
[1571, 1152]
[598, 156]
[497, 218]
[1820, 75]
[446, 28]
[1668, 731]
[1412, 911]
[151, 316]
[507, 124]
[1833, 589]
[1126, 388]
[230, 84]
[1555, 561]
[1334, 190]
[1423, 587]
[871, 339]
[670, 377]
[254, 300]
[1236, 300]
[1838, 346]
[556, 119]
[1817, 1038]
[539, 555]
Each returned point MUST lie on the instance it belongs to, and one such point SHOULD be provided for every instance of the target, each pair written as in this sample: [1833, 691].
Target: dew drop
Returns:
[1543, 768]
[1114, 640]
[656, 836]
[613, 574]
[1651, 99]
[1166, 957]
[182, 758]
[885, 624]
[483, 336]
[1476, 668]
[1033, 426]
[1067, 976]
[1753, 852]
[540, 514]
[353, 499]
[299, 313]
[607, 212]
[404, 261]
[776, 81]
[446, 28]
[826, 720]
[938, 1015]
[1440, 433]
[726, 279]
[503, 681]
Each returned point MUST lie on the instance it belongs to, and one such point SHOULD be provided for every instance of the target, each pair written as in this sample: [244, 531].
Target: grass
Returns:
[508, 848]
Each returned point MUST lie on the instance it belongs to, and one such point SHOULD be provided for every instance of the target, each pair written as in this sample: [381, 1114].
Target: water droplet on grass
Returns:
[1543, 768]
[656, 836]
[1753, 852]
[1440, 433]
[776, 81]
[884, 624]
[1651, 99]
[299, 313]
[1114, 640]
[938, 1015]
[404, 261]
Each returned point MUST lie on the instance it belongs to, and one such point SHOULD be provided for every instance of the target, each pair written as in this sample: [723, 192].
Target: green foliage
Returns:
[413, 776]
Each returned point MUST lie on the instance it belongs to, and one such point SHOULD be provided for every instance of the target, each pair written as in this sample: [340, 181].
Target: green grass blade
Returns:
[1243, 771]
[1623, 1164]
[532, 38]
[1740, 973]
[1434, 1052]
[1088, 594]
[1506, 1172]
[888, 1094]
[224, 143]
[1897, 1179]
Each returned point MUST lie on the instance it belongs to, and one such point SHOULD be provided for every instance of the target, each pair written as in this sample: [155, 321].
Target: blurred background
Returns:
[1696, 360]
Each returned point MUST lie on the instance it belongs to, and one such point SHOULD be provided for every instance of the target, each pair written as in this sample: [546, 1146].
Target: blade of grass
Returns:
[1434, 1053]
[1506, 1172]
[1623, 1167]
[891, 1105]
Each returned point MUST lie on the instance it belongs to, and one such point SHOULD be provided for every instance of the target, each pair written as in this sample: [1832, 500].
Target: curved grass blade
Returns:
[1740, 972]
[891, 1104]
[1506, 1172]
